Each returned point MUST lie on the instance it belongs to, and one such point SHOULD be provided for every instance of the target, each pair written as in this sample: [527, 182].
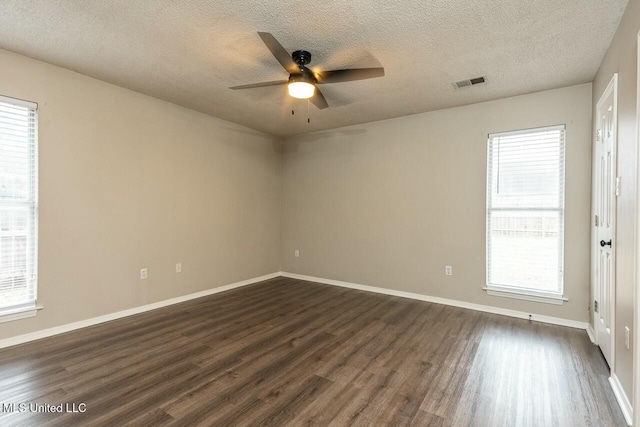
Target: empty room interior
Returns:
[319, 213]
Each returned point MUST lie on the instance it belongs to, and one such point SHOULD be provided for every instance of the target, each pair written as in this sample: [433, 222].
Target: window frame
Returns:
[514, 291]
[30, 308]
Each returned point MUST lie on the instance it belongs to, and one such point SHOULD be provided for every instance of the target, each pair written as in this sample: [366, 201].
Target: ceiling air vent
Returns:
[469, 82]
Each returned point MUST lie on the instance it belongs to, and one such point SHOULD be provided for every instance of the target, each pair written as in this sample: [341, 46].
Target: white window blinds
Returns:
[525, 211]
[18, 204]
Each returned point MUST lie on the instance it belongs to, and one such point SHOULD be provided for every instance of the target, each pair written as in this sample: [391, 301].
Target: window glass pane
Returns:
[525, 210]
[524, 249]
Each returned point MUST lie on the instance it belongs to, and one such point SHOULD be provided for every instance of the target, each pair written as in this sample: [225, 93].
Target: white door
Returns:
[606, 184]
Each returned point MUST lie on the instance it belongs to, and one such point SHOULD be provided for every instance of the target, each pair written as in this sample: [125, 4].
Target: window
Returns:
[18, 208]
[525, 214]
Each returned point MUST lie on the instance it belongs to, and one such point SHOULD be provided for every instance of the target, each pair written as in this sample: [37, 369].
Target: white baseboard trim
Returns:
[591, 332]
[32, 336]
[622, 398]
[445, 301]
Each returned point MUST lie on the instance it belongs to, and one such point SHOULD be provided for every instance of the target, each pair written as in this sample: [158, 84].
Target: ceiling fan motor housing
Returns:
[301, 57]
[306, 75]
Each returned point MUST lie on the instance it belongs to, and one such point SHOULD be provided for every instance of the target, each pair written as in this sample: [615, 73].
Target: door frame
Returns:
[636, 305]
[611, 87]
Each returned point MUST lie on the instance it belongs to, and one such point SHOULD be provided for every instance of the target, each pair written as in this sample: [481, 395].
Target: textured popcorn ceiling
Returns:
[190, 52]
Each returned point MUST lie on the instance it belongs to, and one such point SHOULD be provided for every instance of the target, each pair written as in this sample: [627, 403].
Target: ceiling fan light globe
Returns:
[301, 90]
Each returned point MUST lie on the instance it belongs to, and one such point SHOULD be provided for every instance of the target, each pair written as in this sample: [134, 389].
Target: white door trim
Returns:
[636, 308]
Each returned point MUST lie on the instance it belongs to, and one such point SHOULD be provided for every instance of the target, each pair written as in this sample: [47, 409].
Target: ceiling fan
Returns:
[302, 82]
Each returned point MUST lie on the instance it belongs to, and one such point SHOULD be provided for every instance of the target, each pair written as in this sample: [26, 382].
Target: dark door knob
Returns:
[603, 243]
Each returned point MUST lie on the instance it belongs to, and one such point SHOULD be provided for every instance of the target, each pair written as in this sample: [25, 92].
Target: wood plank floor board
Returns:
[35, 388]
[271, 366]
[425, 419]
[328, 405]
[288, 352]
[45, 396]
[107, 406]
[249, 313]
[274, 369]
[271, 319]
[204, 404]
[136, 376]
[286, 410]
[277, 407]
[154, 418]
[268, 338]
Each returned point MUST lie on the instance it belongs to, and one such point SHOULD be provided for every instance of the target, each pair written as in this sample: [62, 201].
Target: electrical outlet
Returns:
[448, 270]
[297, 253]
[179, 267]
[143, 273]
[627, 337]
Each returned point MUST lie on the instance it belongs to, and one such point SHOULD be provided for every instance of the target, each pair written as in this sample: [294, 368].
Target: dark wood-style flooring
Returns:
[286, 352]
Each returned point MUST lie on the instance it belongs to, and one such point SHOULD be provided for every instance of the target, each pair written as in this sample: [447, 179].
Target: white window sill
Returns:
[19, 313]
[526, 295]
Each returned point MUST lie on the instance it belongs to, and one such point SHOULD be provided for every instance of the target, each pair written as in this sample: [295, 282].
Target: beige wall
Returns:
[621, 58]
[128, 181]
[390, 203]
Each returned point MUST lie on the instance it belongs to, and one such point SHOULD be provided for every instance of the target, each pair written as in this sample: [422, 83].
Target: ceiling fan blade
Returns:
[319, 100]
[281, 54]
[339, 76]
[263, 84]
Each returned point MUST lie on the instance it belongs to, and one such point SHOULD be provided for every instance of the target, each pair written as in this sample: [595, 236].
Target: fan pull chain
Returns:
[308, 118]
